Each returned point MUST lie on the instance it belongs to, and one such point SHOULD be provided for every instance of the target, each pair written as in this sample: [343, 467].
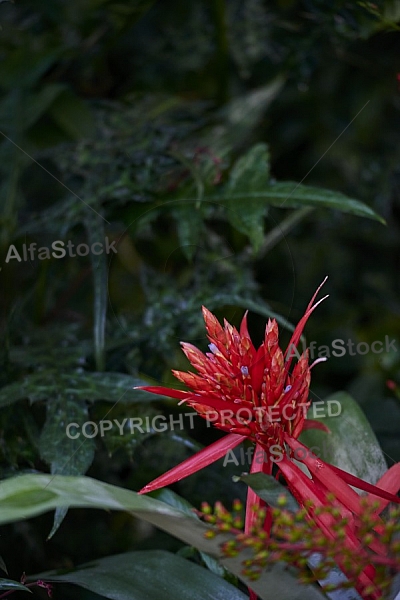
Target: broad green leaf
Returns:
[289, 194]
[112, 387]
[292, 195]
[23, 67]
[46, 355]
[249, 176]
[121, 435]
[147, 574]
[65, 456]
[269, 490]
[251, 172]
[366, 461]
[8, 584]
[169, 497]
[172, 499]
[35, 104]
[31, 495]
[189, 224]
[238, 119]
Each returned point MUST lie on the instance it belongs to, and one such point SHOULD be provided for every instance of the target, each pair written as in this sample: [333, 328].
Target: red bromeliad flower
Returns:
[253, 394]
[249, 393]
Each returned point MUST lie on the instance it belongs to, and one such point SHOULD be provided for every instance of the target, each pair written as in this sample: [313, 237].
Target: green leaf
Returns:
[8, 584]
[289, 194]
[172, 499]
[251, 172]
[3, 565]
[31, 495]
[249, 177]
[47, 354]
[65, 456]
[269, 490]
[189, 225]
[337, 447]
[124, 438]
[23, 67]
[240, 117]
[34, 104]
[112, 387]
[148, 574]
[169, 497]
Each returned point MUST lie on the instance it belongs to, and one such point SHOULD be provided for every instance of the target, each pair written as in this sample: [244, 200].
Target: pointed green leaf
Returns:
[169, 497]
[23, 67]
[285, 194]
[112, 387]
[269, 490]
[238, 119]
[189, 224]
[249, 176]
[289, 194]
[147, 574]
[30, 495]
[65, 456]
[8, 584]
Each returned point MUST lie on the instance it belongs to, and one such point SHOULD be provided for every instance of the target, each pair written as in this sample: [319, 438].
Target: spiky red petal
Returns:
[198, 461]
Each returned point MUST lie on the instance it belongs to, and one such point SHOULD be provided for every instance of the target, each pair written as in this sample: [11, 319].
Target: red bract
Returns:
[247, 392]
[253, 394]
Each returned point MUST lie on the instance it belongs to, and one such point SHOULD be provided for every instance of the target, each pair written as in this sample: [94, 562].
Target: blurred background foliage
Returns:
[150, 123]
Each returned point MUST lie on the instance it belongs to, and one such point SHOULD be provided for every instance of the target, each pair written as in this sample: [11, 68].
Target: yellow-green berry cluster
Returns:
[293, 537]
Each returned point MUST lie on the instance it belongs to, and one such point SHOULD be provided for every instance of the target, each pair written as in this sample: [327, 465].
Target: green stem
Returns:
[278, 233]
[96, 233]
[222, 53]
